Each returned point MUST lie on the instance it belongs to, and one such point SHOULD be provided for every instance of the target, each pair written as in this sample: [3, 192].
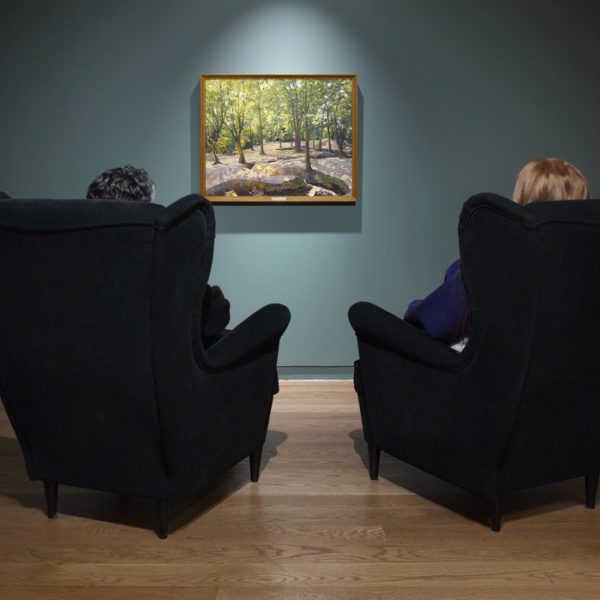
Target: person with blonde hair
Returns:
[444, 314]
[550, 179]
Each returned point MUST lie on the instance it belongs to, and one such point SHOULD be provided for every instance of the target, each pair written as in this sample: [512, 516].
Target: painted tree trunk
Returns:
[241, 158]
[307, 147]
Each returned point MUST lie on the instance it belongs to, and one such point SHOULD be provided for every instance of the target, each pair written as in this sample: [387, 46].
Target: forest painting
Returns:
[278, 138]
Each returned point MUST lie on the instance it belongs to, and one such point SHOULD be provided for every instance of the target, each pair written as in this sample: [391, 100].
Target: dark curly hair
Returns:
[123, 183]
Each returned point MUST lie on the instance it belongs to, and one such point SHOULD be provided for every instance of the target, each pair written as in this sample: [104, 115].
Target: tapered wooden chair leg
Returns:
[591, 487]
[51, 492]
[496, 510]
[163, 520]
[374, 455]
[255, 464]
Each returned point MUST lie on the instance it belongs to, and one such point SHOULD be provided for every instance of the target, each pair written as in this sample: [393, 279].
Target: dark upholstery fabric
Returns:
[215, 313]
[103, 370]
[519, 406]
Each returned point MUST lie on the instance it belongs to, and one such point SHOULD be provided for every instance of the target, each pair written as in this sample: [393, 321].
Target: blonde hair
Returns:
[550, 179]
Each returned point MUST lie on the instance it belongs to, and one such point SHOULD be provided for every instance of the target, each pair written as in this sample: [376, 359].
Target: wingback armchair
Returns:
[519, 407]
[103, 369]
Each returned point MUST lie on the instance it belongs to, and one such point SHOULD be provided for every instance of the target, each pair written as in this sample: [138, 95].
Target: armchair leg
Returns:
[255, 463]
[374, 455]
[591, 487]
[496, 513]
[256, 456]
[51, 492]
[163, 520]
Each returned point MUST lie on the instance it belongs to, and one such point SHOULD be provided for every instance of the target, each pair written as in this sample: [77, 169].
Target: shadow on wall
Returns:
[279, 219]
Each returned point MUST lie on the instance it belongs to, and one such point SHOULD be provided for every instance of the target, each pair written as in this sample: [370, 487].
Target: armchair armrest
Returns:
[380, 328]
[258, 332]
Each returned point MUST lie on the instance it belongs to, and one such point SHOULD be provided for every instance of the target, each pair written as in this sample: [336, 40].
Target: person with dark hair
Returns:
[4, 196]
[123, 183]
[445, 314]
[135, 185]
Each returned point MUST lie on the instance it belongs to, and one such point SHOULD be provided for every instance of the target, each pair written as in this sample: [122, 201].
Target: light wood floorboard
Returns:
[313, 528]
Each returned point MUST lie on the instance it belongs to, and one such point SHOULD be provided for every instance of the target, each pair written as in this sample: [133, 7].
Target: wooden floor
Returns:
[314, 527]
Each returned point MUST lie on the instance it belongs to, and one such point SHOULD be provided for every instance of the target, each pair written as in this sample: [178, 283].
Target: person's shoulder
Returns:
[453, 269]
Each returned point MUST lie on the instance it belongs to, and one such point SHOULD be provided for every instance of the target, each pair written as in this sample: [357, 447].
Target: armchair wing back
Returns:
[533, 276]
[103, 371]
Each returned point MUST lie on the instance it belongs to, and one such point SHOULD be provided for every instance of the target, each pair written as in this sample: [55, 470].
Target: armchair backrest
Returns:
[533, 278]
[95, 314]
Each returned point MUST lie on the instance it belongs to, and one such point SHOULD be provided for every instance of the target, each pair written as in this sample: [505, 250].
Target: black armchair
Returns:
[519, 407]
[103, 371]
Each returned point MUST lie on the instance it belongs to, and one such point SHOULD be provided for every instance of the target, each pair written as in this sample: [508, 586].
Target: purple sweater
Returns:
[444, 313]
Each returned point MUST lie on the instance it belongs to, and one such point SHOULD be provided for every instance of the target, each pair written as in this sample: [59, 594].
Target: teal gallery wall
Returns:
[454, 98]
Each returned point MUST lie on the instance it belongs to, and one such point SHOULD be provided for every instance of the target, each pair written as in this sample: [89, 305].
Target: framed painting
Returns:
[279, 139]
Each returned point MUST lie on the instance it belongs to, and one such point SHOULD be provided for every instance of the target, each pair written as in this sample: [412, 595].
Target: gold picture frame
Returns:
[253, 139]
